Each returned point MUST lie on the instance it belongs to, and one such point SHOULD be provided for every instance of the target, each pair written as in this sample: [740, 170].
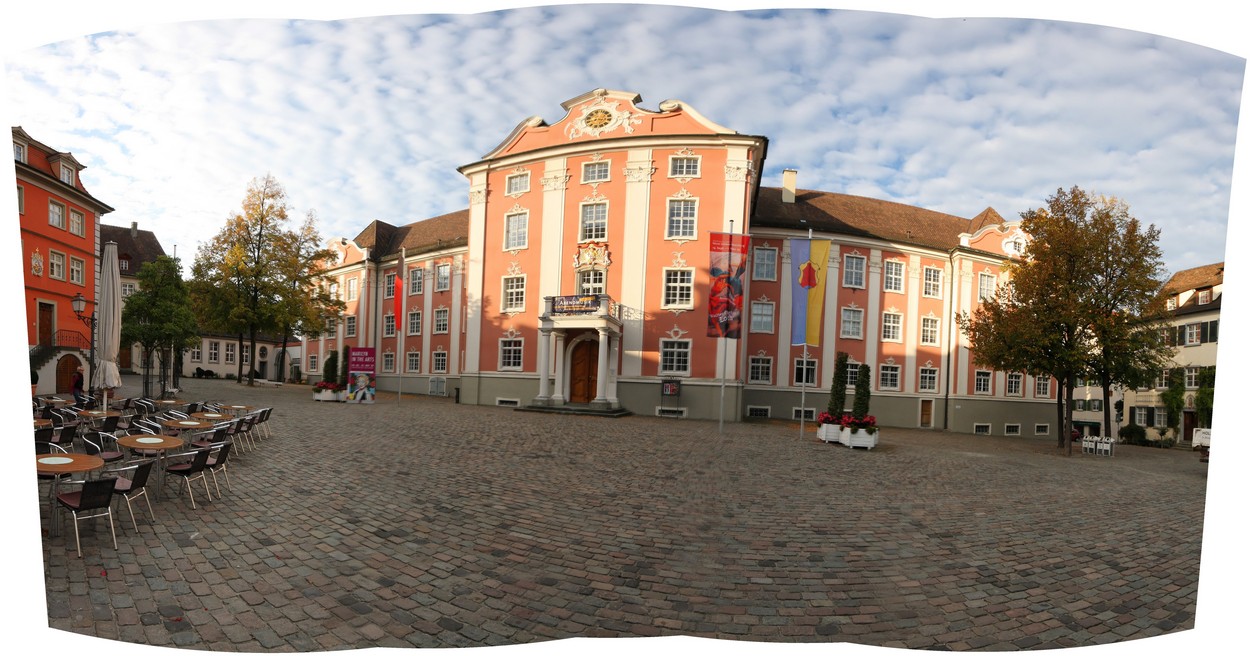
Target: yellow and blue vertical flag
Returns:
[809, 263]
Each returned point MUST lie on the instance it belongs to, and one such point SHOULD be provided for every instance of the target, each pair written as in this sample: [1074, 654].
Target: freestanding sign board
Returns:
[361, 368]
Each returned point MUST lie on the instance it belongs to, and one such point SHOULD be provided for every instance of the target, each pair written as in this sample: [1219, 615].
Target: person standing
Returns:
[80, 397]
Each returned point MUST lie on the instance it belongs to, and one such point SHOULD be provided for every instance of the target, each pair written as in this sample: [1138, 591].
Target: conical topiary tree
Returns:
[863, 392]
[343, 372]
[330, 373]
[837, 391]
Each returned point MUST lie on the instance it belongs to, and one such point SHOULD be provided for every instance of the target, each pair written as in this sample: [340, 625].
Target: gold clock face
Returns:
[598, 118]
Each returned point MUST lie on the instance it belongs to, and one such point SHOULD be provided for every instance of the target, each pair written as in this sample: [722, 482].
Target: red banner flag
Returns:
[726, 268]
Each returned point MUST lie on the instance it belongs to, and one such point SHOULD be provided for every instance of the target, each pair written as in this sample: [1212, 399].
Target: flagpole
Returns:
[803, 384]
[723, 348]
[401, 328]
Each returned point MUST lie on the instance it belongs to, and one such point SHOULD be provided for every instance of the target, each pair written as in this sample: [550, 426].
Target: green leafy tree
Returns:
[1204, 398]
[837, 389]
[306, 307]
[1174, 399]
[158, 315]
[330, 372]
[863, 392]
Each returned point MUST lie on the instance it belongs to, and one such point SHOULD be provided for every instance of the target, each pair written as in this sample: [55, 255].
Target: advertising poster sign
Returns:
[361, 368]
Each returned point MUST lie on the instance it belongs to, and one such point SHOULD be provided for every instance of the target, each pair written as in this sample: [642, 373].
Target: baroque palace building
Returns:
[579, 276]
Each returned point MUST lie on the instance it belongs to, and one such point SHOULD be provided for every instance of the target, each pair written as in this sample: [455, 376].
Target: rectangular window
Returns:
[414, 361]
[765, 264]
[388, 325]
[894, 276]
[230, 352]
[675, 356]
[1193, 334]
[128, 288]
[388, 286]
[77, 223]
[681, 219]
[516, 231]
[683, 167]
[1204, 297]
[1041, 387]
[928, 379]
[980, 429]
[312, 362]
[594, 222]
[334, 290]
[514, 294]
[1015, 384]
[349, 326]
[804, 372]
[442, 277]
[19, 152]
[56, 265]
[853, 271]
[889, 376]
[852, 373]
[21, 200]
[933, 282]
[982, 382]
[509, 354]
[985, 287]
[929, 328]
[891, 327]
[1172, 303]
[678, 288]
[1139, 416]
[1191, 377]
[518, 183]
[762, 317]
[247, 353]
[414, 322]
[332, 330]
[1041, 429]
[416, 281]
[591, 281]
[351, 288]
[441, 318]
[196, 353]
[1011, 429]
[388, 362]
[761, 370]
[67, 174]
[852, 323]
[77, 269]
[1161, 416]
[1078, 405]
[214, 350]
[593, 172]
[1095, 405]
[56, 214]
[440, 362]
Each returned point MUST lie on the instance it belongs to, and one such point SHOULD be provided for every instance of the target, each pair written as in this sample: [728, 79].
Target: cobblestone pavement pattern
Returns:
[423, 523]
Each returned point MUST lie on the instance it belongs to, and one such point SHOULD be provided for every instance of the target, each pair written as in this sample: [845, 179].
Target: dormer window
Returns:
[1172, 303]
[1204, 296]
[67, 174]
[19, 152]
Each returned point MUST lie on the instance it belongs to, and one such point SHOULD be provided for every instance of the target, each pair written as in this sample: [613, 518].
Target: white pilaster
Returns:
[633, 261]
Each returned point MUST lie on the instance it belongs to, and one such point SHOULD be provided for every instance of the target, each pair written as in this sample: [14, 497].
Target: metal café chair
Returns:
[134, 487]
[95, 496]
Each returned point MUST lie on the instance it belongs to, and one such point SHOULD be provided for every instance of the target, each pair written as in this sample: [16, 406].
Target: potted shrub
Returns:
[860, 428]
[828, 426]
[326, 391]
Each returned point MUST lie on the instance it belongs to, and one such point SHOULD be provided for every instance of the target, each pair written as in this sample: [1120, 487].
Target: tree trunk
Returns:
[1106, 408]
[238, 363]
[1067, 427]
[251, 357]
[1059, 396]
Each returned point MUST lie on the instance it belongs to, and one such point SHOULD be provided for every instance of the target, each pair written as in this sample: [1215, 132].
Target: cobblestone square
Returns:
[417, 522]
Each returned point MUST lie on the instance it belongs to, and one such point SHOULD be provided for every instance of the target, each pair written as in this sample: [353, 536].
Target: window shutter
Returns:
[1204, 332]
[1150, 416]
[1215, 331]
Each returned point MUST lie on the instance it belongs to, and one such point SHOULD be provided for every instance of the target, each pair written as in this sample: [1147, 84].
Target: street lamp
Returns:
[79, 303]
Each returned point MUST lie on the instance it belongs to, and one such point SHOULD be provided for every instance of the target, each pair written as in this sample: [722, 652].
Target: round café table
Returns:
[182, 425]
[42, 423]
[216, 417]
[238, 409]
[148, 443]
[96, 416]
[56, 464]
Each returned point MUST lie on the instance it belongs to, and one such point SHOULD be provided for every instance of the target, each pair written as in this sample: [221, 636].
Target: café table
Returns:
[158, 443]
[181, 425]
[216, 417]
[56, 464]
[96, 416]
[238, 409]
[43, 423]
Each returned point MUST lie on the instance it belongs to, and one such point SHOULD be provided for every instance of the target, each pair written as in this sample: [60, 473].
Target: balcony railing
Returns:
[71, 339]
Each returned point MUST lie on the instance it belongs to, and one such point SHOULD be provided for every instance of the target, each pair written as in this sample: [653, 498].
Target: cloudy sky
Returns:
[368, 118]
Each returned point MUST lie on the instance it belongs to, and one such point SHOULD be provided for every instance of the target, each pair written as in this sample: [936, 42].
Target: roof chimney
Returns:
[134, 229]
[788, 179]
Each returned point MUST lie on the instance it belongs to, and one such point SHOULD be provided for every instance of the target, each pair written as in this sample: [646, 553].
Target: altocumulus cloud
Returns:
[368, 118]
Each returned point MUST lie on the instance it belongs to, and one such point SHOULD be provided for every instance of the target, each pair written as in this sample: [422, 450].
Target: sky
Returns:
[175, 107]
[369, 118]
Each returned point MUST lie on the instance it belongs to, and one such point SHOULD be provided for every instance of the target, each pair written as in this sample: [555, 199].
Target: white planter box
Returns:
[326, 395]
[861, 438]
[828, 432]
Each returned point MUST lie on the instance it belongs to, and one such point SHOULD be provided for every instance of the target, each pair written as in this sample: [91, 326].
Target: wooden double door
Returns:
[583, 371]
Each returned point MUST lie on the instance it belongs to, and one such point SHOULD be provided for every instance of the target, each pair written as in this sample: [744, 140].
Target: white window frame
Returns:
[674, 290]
[1193, 334]
[682, 227]
[196, 353]
[19, 152]
[894, 281]
[349, 326]
[312, 362]
[77, 270]
[332, 330]
[592, 287]
[77, 223]
[67, 174]
[757, 365]
[388, 362]
[982, 429]
[1192, 374]
[412, 362]
[756, 272]
[21, 199]
[228, 357]
[439, 363]
[388, 325]
[668, 351]
[887, 371]
[416, 281]
[936, 330]
[854, 271]
[56, 218]
[847, 322]
[511, 347]
[1139, 416]
[1015, 384]
[442, 277]
[414, 322]
[927, 374]
[128, 288]
[891, 327]
[214, 354]
[388, 285]
[932, 287]
[987, 284]
[1011, 430]
[1204, 296]
[517, 184]
[1041, 387]
[852, 374]
[442, 321]
[755, 316]
[512, 293]
[600, 166]
[983, 376]
[516, 231]
[596, 228]
[674, 160]
[808, 368]
[352, 288]
[1041, 429]
[56, 265]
